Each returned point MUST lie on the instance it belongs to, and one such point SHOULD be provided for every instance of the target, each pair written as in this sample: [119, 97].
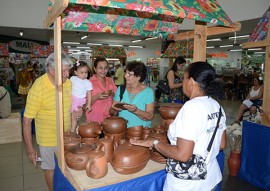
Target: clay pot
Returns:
[114, 125]
[129, 159]
[90, 130]
[134, 132]
[169, 110]
[234, 163]
[71, 139]
[97, 166]
[115, 137]
[90, 141]
[77, 157]
[107, 148]
[146, 132]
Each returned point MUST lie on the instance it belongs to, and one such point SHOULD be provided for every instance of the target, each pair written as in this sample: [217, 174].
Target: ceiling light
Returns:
[226, 46]
[234, 37]
[84, 47]
[112, 59]
[135, 46]
[73, 50]
[84, 37]
[259, 52]
[136, 40]
[210, 47]
[237, 50]
[21, 33]
[214, 39]
[151, 38]
[255, 49]
[88, 50]
[97, 44]
[115, 45]
[71, 43]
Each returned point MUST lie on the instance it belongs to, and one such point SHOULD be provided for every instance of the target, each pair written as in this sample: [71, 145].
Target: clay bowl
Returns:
[169, 110]
[90, 130]
[114, 125]
[129, 157]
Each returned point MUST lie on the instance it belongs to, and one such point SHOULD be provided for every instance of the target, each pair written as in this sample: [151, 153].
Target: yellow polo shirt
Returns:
[41, 105]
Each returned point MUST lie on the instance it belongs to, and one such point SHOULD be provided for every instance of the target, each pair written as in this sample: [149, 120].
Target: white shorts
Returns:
[47, 156]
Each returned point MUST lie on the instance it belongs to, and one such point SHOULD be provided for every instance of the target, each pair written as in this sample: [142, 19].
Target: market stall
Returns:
[4, 60]
[130, 18]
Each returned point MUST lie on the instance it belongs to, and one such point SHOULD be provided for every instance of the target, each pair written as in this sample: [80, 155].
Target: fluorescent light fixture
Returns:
[112, 59]
[136, 40]
[259, 52]
[237, 50]
[150, 38]
[71, 43]
[255, 49]
[210, 47]
[84, 37]
[115, 45]
[88, 50]
[21, 33]
[226, 46]
[135, 46]
[97, 44]
[83, 47]
[235, 37]
[214, 39]
[73, 50]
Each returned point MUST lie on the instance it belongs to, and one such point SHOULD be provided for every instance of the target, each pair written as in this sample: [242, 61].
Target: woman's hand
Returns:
[143, 143]
[102, 95]
[131, 107]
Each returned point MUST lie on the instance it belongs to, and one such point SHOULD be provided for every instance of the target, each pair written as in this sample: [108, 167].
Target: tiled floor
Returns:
[18, 174]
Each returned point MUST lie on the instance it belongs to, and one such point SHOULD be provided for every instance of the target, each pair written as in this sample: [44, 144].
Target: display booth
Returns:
[4, 60]
[125, 18]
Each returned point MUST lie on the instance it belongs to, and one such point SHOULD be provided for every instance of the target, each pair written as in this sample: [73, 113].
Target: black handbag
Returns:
[163, 86]
[195, 168]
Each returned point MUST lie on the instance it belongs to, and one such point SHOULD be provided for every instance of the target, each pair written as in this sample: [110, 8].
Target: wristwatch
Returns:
[155, 142]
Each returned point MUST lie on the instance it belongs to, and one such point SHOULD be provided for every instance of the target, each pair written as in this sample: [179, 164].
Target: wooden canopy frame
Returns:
[200, 35]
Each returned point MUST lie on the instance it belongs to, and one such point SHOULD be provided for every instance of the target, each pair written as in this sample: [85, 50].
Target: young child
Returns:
[81, 87]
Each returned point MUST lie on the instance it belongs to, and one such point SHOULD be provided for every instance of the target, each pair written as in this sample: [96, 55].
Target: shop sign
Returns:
[22, 45]
[219, 55]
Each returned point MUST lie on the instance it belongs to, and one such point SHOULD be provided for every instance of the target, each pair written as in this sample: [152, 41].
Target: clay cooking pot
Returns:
[90, 130]
[114, 125]
[169, 110]
[71, 139]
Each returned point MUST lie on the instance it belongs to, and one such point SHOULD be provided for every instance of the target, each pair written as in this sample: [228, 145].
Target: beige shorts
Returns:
[47, 156]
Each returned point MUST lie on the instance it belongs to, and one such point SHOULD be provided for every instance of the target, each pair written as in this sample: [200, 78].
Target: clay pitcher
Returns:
[90, 130]
[107, 148]
[97, 166]
[234, 163]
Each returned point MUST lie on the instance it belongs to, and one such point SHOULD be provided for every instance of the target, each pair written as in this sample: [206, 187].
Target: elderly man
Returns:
[41, 106]
[5, 103]
[119, 74]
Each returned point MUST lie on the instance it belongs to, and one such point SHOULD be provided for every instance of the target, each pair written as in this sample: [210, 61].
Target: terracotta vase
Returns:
[234, 163]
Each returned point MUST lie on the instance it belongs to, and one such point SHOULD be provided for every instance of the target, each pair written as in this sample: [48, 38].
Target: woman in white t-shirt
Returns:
[81, 88]
[192, 129]
[252, 101]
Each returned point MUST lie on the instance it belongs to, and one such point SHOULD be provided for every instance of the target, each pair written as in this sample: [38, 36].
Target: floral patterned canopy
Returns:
[4, 49]
[139, 17]
[260, 32]
[109, 52]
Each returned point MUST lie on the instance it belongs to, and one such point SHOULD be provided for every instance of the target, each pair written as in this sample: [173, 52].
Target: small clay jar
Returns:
[145, 133]
[114, 125]
[77, 157]
[97, 166]
[169, 110]
[90, 130]
[134, 132]
[107, 148]
[129, 159]
[71, 139]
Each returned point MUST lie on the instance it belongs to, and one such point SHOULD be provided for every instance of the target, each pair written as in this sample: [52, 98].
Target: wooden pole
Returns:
[59, 92]
[200, 35]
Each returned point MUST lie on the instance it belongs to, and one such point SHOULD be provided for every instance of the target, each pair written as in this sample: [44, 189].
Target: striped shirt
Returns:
[41, 105]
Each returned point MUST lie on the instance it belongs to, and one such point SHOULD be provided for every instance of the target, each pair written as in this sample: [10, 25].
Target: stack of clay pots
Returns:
[114, 128]
[168, 112]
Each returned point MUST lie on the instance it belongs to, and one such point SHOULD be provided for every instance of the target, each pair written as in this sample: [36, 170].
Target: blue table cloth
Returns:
[150, 182]
[255, 155]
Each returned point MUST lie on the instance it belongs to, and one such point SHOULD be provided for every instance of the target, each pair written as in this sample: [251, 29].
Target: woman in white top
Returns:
[193, 127]
[253, 100]
[81, 88]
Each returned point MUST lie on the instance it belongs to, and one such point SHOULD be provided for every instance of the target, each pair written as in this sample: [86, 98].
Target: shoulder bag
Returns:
[163, 86]
[195, 168]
